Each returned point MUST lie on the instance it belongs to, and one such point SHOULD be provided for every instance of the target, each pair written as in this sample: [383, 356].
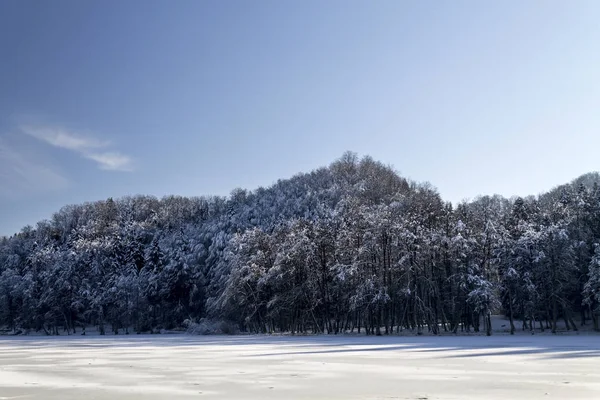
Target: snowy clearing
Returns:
[318, 367]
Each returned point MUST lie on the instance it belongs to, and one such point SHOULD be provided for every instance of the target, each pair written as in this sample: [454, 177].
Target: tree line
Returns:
[348, 247]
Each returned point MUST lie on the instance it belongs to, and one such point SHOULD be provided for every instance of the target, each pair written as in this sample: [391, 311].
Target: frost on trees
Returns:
[352, 247]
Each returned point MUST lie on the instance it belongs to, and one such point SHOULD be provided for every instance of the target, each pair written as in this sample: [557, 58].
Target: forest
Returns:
[352, 247]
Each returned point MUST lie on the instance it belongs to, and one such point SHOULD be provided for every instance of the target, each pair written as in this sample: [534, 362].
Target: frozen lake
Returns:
[322, 367]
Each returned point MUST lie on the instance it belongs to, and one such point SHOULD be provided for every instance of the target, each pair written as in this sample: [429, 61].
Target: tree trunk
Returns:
[554, 314]
[510, 314]
[595, 320]
[488, 323]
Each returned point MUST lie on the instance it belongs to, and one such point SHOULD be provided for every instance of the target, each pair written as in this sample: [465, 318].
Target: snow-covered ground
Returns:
[318, 367]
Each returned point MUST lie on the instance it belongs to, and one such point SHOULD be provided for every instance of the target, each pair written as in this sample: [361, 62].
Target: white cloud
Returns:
[112, 161]
[21, 174]
[85, 145]
[61, 138]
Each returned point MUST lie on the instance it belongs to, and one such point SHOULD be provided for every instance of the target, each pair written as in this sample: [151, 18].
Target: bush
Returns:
[210, 327]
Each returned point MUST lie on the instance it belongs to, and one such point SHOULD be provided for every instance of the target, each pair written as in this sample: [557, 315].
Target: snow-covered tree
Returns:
[353, 246]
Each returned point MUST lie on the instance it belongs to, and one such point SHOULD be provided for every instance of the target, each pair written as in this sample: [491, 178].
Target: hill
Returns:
[350, 247]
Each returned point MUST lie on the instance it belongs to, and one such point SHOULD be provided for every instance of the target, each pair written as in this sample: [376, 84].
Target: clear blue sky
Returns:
[108, 98]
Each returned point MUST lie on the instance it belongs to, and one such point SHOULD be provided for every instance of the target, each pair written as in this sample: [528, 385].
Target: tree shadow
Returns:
[546, 347]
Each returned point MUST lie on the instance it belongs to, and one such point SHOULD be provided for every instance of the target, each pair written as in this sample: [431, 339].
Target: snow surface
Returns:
[315, 367]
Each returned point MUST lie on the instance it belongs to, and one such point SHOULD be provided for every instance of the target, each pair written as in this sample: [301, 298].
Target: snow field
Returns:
[315, 367]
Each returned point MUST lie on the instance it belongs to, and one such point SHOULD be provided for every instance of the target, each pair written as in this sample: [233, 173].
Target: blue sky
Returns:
[111, 98]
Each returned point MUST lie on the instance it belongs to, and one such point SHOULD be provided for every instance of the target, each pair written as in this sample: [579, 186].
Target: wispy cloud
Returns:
[112, 161]
[85, 145]
[61, 138]
[22, 173]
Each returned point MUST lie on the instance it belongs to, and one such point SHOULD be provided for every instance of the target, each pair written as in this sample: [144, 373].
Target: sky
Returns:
[110, 98]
